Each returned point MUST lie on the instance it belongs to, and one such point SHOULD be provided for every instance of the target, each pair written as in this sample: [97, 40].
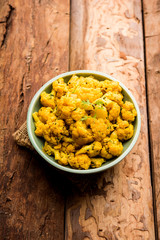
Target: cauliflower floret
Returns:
[54, 131]
[39, 129]
[89, 82]
[112, 86]
[100, 112]
[128, 111]
[125, 133]
[111, 147]
[78, 113]
[63, 159]
[112, 107]
[97, 162]
[65, 107]
[105, 149]
[114, 135]
[115, 147]
[48, 99]
[73, 82]
[58, 127]
[48, 148]
[92, 150]
[59, 156]
[116, 97]
[81, 161]
[60, 87]
[105, 153]
[86, 105]
[90, 94]
[45, 113]
[80, 134]
[124, 130]
[67, 139]
[38, 124]
[100, 128]
[68, 148]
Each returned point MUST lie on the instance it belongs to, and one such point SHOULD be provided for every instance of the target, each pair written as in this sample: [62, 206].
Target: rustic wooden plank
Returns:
[152, 42]
[34, 40]
[107, 36]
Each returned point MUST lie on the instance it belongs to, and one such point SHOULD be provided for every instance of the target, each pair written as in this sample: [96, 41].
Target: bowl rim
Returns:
[78, 171]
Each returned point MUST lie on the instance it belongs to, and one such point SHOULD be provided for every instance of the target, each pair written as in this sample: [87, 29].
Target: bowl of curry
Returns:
[83, 121]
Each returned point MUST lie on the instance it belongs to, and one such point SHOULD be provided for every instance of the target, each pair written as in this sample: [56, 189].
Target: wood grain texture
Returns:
[152, 41]
[34, 47]
[107, 36]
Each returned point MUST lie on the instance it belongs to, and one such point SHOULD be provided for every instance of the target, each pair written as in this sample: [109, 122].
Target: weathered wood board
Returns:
[34, 47]
[152, 42]
[108, 36]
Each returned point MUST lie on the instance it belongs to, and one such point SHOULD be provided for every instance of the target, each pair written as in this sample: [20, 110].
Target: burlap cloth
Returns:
[21, 137]
[80, 181]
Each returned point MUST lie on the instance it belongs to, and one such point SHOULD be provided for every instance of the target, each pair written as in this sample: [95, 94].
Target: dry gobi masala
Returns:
[84, 121]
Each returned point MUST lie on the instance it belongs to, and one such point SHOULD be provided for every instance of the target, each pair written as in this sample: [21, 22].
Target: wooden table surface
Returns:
[40, 39]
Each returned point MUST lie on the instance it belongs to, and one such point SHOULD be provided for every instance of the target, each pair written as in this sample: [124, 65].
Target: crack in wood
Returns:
[43, 225]
[8, 23]
[21, 101]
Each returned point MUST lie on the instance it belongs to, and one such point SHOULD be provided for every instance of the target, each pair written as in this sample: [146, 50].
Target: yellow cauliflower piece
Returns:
[48, 148]
[63, 159]
[78, 113]
[100, 128]
[58, 127]
[114, 135]
[68, 148]
[89, 82]
[125, 130]
[125, 133]
[128, 111]
[48, 99]
[39, 129]
[111, 147]
[115, 147]
[97, 162]
[114, 96]
[105, 153]
[60, 87]
[54, 131]
[112, 107]
[38, 124]
[90, 94]
[80, 134]
[65, 107]
[81, 161]
[73, 82]
[91, 150]
[100, 112]
[114, 112]
[109, 85]
[45, 113]
[59, 156]
[86, 105]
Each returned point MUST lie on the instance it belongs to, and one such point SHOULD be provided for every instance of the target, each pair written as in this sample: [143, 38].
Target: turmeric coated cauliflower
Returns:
[84, 121]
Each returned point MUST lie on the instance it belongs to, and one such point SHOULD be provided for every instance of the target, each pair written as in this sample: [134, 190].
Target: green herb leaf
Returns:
[85, 118]
[86, 102]
[99, 102]
[51, 95]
